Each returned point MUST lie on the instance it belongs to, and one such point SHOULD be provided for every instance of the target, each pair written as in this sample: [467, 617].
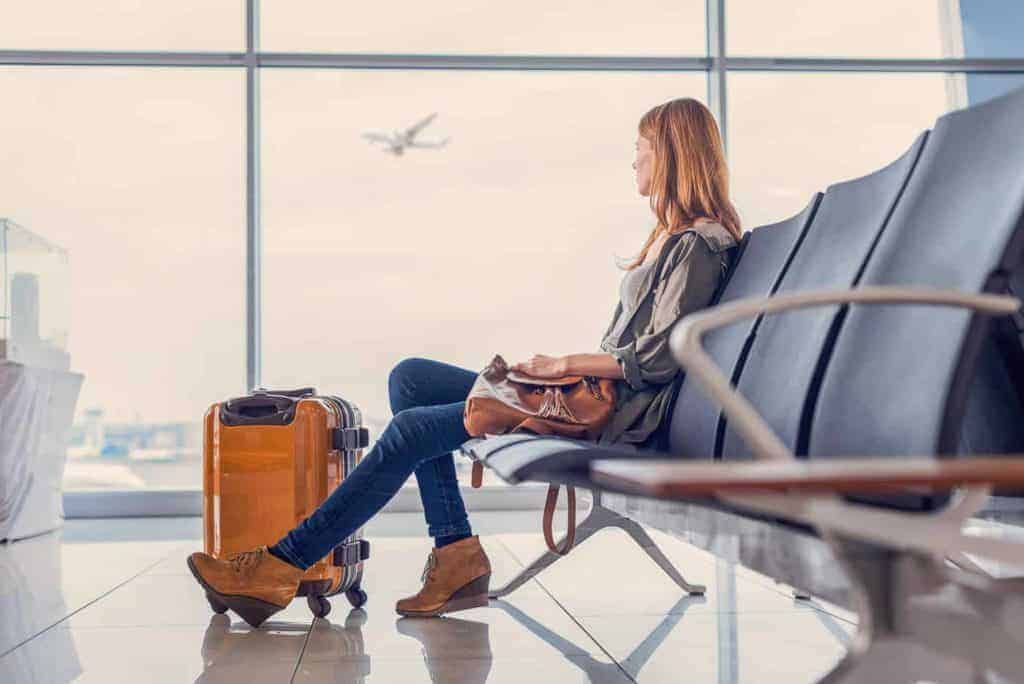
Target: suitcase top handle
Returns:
[259, 409]
[299, 393]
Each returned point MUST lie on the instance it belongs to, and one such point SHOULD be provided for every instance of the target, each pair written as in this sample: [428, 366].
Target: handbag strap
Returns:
[549, 514]
[476, 480]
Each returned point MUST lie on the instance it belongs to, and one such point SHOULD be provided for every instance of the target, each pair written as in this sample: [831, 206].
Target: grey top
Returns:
[629, 291]
[689, 267]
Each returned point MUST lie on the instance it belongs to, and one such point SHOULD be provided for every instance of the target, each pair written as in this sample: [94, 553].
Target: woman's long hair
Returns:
[690, 179]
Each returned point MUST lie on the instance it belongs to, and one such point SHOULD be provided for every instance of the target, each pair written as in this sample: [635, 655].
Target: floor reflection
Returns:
[595, 669]
[454, 650]
[441, 638]
[235, 652]
[32, 600]
[552, 632]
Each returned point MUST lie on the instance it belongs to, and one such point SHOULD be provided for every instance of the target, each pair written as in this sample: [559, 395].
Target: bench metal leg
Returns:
[597, 670]
[965, 562]
[599, 518]
[640, 536]
[922, 621]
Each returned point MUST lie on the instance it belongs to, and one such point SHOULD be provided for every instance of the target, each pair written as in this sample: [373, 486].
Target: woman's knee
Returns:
[406, 428]
[407, 421]
[402, 384]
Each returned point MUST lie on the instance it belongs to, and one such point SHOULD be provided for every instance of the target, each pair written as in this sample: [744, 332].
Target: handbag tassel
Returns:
[555, 406]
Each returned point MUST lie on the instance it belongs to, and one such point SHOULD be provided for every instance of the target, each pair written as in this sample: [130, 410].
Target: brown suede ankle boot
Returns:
[255, 584]
[456, 577]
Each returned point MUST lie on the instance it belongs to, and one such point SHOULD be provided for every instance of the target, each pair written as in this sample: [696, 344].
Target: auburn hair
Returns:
[689, 178]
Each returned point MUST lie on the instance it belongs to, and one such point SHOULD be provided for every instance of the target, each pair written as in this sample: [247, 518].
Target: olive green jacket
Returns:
[690, 267]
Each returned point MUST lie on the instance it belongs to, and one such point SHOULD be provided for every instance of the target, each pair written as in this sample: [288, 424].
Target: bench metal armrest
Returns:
[685, 342]
[805, 492]
[937, 533]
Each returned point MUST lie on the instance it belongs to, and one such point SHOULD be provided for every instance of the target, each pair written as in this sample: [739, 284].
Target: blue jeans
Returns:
[427, 400]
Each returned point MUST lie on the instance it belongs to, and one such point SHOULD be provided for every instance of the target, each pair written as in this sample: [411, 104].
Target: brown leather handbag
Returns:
[502, 400]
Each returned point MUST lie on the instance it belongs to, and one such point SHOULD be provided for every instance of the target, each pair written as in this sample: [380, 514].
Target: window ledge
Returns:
[161, 502]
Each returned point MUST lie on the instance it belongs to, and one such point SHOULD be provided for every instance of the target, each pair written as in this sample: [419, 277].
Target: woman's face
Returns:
[643, 165]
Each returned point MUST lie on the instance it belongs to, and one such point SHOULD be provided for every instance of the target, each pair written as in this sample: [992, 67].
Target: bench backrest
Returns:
[780, 369]
[884, 380]
[755, 273]
[898, 377]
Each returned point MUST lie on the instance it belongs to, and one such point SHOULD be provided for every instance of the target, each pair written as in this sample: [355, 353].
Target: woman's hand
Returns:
[541, 366]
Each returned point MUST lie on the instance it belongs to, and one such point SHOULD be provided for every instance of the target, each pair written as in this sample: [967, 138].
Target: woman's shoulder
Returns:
[711, 238]
[714, 235]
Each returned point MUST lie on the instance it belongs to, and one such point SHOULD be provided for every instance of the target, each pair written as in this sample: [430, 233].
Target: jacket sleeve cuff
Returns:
[626, 357]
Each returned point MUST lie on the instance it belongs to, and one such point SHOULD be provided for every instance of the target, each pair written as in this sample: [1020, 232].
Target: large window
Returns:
[837, 28]
[211, 25]
[138, 174]
[201, 172]
[569, 27]
[793, 134]
[501, 242]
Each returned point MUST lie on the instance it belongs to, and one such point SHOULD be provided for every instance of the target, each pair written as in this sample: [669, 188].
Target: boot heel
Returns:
[253, 611]
[472, 595]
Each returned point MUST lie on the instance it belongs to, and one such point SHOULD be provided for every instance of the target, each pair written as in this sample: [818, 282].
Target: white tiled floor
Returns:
[112, 601]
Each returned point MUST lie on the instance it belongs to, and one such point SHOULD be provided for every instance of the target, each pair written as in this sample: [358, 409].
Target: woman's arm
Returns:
[646, 360]
[602, 365]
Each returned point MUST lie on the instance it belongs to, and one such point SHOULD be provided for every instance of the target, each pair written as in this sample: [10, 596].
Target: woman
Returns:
[680, 165]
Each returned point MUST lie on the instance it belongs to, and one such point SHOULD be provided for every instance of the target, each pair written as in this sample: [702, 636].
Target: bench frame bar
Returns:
[598, 518]
[938, 533]
[917, 617]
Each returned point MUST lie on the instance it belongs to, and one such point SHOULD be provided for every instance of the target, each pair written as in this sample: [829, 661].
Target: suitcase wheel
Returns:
[216, 604]
[319, 605]
[356, 596]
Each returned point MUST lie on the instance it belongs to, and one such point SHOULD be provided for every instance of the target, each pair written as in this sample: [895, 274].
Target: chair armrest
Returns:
[669, 479]
[685, 342]
[768, 489]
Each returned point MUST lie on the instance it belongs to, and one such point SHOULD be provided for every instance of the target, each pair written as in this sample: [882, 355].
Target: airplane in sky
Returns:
[397, 141]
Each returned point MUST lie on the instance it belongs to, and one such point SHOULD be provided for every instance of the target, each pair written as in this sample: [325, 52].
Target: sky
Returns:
[503, 242]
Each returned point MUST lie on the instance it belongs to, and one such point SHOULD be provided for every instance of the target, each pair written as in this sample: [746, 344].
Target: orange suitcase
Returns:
[269, 459]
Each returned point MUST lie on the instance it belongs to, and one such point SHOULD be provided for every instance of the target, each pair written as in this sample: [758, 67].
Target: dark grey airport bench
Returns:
[879, 324]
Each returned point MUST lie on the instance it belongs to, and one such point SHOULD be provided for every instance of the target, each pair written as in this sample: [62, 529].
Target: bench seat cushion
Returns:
[518, 457]
[560, 460]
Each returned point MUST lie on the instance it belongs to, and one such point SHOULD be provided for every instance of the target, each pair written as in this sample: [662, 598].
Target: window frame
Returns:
[717, 64]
